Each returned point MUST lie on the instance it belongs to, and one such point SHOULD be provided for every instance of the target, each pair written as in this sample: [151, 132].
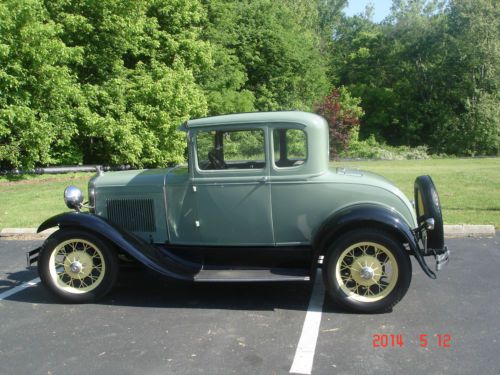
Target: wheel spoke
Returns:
[83, 284]
[367, 270]
[83, 257]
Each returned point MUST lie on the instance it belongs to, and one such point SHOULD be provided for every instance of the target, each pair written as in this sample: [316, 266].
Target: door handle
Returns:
[263, 179]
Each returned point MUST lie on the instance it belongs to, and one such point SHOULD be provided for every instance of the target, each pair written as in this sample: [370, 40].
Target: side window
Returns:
[236, 149]
[290, 147]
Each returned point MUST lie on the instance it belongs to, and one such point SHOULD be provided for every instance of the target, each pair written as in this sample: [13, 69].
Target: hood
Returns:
[138, 177]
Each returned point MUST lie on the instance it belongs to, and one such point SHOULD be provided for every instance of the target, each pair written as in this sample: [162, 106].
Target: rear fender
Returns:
[358, 217]
[129, 243]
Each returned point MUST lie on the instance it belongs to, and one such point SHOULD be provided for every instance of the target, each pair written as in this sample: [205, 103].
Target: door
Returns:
[231, 180]
[294, 200]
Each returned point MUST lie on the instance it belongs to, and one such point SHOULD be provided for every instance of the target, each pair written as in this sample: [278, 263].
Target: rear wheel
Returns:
[367, 271]
[77, 266]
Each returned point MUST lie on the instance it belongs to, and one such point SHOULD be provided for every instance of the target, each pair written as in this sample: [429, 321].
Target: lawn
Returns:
[27, 201]
[469, 189]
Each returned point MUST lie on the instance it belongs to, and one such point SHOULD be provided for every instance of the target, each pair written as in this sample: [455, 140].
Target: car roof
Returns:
[306, 118]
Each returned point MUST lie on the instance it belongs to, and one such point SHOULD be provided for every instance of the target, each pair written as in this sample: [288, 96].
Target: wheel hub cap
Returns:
[367, 273]
[366, 270]
[76, 267]
[78, 264]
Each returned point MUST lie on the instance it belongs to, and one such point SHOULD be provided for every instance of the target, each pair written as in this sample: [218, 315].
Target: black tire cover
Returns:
[428, 206]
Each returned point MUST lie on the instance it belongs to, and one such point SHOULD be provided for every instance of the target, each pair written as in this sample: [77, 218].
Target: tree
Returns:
[38, 92]
[267, 55]
[224, 82]
[99, 81]
[472, 61]
[342, 112]
[140, 60]
[426, 75]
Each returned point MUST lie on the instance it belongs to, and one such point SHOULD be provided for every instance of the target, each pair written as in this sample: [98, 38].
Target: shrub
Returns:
[372, 149]
[342, 111]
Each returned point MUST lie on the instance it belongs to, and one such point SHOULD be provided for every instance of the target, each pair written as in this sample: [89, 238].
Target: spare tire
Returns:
[428, 206]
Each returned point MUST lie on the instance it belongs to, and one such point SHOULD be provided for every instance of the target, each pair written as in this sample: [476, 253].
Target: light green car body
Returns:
[271, 206]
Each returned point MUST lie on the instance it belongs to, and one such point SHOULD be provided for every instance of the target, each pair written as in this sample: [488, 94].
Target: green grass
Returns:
[469, 189]
[26, 201]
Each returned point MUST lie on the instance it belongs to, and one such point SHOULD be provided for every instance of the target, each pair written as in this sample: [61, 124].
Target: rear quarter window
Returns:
[290, 147]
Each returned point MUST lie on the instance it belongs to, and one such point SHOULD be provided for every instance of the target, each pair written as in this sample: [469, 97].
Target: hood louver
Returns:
[136, 215]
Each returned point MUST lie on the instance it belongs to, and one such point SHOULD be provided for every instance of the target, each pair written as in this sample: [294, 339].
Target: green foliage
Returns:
[99, 81]
[38, 92]
[266, 56]
[244, 145]
[342, 112]
[106, 81]
[224, 81]
[296, 144]
[473, 57]
[138, 72]
[426, 75]
[371, 149]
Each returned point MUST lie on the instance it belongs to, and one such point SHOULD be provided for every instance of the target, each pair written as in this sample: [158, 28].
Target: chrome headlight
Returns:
[92, 194]
[73, 197]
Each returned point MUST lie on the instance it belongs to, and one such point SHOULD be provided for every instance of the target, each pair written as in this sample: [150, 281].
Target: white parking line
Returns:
[304, 355]
[19, 288]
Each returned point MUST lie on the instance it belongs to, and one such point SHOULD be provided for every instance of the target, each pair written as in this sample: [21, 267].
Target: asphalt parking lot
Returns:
[149, 326]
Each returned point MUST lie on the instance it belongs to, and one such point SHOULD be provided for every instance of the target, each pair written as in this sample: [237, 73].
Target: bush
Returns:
[342, 112]
[372, 149]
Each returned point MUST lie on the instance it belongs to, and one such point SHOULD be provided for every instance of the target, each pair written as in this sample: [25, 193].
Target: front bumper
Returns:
[32, 257]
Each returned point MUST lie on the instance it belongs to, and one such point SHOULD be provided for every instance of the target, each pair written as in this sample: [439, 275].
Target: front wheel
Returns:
[77, 266]
[367, 271]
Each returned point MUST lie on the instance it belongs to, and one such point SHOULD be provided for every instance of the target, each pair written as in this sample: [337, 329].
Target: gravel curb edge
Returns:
[450, 231]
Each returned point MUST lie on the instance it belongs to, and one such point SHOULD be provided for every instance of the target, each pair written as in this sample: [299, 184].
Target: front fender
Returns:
[132, 245]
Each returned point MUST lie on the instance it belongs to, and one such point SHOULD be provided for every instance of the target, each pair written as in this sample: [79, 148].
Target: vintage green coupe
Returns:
[257, 201]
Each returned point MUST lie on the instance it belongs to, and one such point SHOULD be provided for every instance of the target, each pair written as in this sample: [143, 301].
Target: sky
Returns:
[381, 10]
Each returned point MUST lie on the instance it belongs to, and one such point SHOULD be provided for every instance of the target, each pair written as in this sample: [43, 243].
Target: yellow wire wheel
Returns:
[77, 265]
[367, 270]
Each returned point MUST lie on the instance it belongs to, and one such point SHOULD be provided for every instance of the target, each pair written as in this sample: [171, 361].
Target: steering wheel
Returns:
[215, 161]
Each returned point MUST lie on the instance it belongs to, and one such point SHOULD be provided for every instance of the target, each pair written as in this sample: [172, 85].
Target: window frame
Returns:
[228, 129]
[288, 126]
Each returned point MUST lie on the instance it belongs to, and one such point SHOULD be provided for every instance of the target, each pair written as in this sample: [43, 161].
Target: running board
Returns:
[252, 275]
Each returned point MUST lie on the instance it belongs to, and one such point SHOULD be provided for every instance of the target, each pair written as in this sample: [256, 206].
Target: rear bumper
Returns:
[423, 252]
[442, 259]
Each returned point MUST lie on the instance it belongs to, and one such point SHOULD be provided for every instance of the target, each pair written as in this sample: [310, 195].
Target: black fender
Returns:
[147, 254]
[363, 216]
